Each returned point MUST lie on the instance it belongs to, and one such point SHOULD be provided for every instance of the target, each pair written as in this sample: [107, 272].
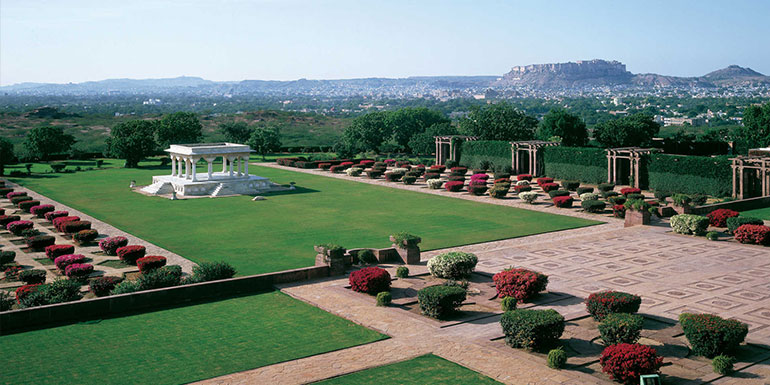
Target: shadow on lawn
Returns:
[297, 190]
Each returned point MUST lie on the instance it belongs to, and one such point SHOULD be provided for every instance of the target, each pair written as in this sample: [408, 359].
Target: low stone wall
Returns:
[737, 205]
[89, 309]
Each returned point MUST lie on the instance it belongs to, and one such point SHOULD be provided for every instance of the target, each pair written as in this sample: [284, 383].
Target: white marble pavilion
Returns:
[234, 178]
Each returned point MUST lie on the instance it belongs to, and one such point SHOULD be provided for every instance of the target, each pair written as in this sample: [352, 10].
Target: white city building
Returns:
[234, 178]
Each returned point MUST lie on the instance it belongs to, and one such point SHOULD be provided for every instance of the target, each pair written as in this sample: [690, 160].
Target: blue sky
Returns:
[75, 41]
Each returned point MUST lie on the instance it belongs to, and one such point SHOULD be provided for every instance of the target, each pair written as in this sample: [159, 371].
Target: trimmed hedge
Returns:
[736, 222]
[150, 262]
[621, 328]
[586, 164]
[691, 174]
[454, 265]
[129, 254]
[496, 152]
[529, 329]
[440, 301]
[370, 280]
[753, 234]
[689, 224]
[710, 335]
[603, 303]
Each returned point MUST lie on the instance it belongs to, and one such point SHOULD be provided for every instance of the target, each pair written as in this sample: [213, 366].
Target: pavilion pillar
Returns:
[615, 169]
[173, 165]
[231, 166]
[240, 166]
[740, 181]
[186, 168]
[734, 181]
[210, 164]
[609, 167]
[193, 163]
[246, 167]
[436, 149]
[224, 164]
[514, 164]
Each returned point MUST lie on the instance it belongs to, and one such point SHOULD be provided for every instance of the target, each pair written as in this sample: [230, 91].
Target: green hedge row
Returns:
[586, 164]
[496, 152]
[691, 174]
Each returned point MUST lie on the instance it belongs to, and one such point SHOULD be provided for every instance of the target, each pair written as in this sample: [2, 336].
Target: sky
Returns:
[77, 40]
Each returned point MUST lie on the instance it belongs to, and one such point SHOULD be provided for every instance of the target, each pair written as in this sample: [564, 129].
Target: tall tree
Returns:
[42, 142]
[569, 128]
[756, 126]
[365, 133]
[629, 131]
[425, 143]
[404, 123]
[6, 154]
[133, 141]
[236, 132]
[500, 121]
[265, 140]
[179, 128]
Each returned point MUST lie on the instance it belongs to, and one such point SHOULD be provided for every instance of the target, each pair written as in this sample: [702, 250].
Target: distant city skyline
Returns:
[80, 40]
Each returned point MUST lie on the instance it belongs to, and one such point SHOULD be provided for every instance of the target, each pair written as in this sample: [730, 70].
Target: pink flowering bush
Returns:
[40, 210]
[79, 270]
[111, 245]
[16, 227]
[55, 214]
[65, 260]
[59, 222]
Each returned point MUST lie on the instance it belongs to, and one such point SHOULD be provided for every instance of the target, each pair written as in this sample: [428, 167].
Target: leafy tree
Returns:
[236, 132]
[6, 154]
[756, 126]
[424, 142]
[178, 128]
[404, 123]
[500, 121]
[629, 131]
[132, 141]
[570, 128]
[265, 140]
[365, 133]
[42, 142]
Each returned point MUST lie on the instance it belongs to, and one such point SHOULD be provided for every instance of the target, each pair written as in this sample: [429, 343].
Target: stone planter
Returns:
[636, 218]
[335, 259]
[409, 253]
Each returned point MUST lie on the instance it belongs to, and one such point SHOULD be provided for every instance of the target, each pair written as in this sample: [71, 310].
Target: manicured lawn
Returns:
[427, 369]
[279, 233]
[178, 345]
[758, 213]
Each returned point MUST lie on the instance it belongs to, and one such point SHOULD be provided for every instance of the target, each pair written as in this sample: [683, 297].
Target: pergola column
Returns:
[609, 167]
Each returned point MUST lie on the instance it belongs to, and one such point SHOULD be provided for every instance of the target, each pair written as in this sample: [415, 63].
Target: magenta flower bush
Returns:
[111, 245]
[65, 260]
[15, 194]
[79, 270]
[16, 227]
[40, 210]
[55, 214]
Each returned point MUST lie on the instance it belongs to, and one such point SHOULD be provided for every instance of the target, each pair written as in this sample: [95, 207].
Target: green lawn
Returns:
[418, 371]
[763, 213]
[178, 345]
[279, 233]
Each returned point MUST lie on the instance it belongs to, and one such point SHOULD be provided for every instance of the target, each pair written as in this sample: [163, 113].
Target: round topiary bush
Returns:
[452, 265]
[366, 257]
[549, 186]
[600, 304]
[689, 224]
[454, 186]
[563, 202]
[710, 335]
[129, 254]
[102, 286]
[630, 190]
[440, 301]
[435, 184]
[718, 217]
[40, 242]
[583, 190]
[150, 262]
[409, 179]
[79, 271]
[521, 284]
[723, 364]
[40, 210]
[589, 196]
[526, 177]
[557, 358]
[593, 206]
[627, 362]
[528, 196]
[65, 260]
[499, 191]
[617, 328]
[16, 227]
[83, 237]
[111, 245]
[55, 214]
[31, 277]
[370, 280]
[476, 188]
[571, 185]
[558, 193]
[606, 186]
[384, 298]
[712, 236]
[402, 272]
[508, 303]
[529, 329]
[54, 251]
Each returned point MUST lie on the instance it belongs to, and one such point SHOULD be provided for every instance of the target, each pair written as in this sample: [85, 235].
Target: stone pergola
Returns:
[446, 147]
[751, 174]
[526, 157]
[615, 167]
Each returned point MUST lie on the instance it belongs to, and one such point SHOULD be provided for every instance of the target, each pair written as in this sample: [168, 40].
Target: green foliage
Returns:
[165, 276]
[367, 257]
[366, 133]
[42, 142]
[454, 264]
[756, 126]
[586, 164]
[6, 257]
[132, 141]
[405, 240]
[126, 287]
[508, 303]
[178, 128]
[265, 140]
[497, 153]
[691, 174]
[32, 276]
[712, 235]
[689, 224]
[618, 328]
[402, 272]
[681, 200]
[628, 131]
[384, 298]
[61, 290]
[499, 121]
[212, 271]
[6, 154]
[593, 206]
[570, 128]
[499, 190]
[723, 364]
[736, 222]
[6, 300]
[236, 132]
[425, 143]
[710, 335]
[440, 301]
[637, 205]
[530, 329]
[557, 358]
[405, 123]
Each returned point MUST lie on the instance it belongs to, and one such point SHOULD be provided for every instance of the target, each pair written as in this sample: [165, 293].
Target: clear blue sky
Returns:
[74, 41]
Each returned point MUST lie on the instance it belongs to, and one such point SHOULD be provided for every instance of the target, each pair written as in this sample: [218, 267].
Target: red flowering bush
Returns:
[102, 286]
[753, 234]
[459, 170]
[79, 271]
[27, 205]
[346, 164]
[563, 201]
[55, 251]
[38, 242]
[60, 221]
[549, 186]
[111, 245]
[454, 186]
[6, 219]
[337, 168]
[431, 175]
[477, 188]
[370, 280]
[16, 227]
[129, 254]
[718, 217]
[480, 177]
[72, 227]
[26, 290]
[710, 335]
[600, 304]
[544, 180]
[15, 194]
[40, 210]
[521, 284]
[619, 211]
[525, 177]
[324, 166]
[438, 167]
[630, 190]
[627, 362]
[65, 260]
[55, 214]
[522, 188]
[150, 262]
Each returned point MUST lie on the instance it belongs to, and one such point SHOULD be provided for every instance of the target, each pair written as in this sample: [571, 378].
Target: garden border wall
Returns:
[14, 321]
[737, 205]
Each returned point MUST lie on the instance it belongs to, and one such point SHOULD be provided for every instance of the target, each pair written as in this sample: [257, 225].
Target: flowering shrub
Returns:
[129, 254]
[710, 335]
[600, 304]
[23, 292]
[391, 176]
[589, 196]
[6, 219]
[756, 234]
[522, 177]
[10, 195]
[16, 227]
[521, 284]
[71, 227]
[374, 174]
[85, 236]
[458, 170]
[549, 186]
[55, 251]
[503, 181]
[480, 176]
[60, 221]
[630, 190]
[456, 178]
[619, 328]
[529, 329]
[439, 167]
[434, 184]
[40, 210]
[477, 188]
[337, 168]
[65, 260]
[346, 164]
[102, 286]
[454, 264]
[528, 196]
[454, 186]
[520, 188]
[324, 166]
[389, 162]
[563, 201]
[522, 183]
[689, 224]
[627, 362]
[150, 262]
[21, 198]
[619, 211]
[370, 280]
[55, 214]
[79, 270]
[409, 179]
[718, 217]
[27, 205]
[39, 242]
[431, 175]
[353, 171]
[542, 181]
[439, 301]
[736, 222]
[498, 191]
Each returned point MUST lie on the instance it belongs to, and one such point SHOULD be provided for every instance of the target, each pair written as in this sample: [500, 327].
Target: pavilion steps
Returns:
[220, 190]
[159, 188]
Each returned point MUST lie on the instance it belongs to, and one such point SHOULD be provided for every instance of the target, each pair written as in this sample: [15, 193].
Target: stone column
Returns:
[224, 164]
[740, 181]
[193, 163]
[210, 163]
[246, 166]
[615, 169]
[231, 166]
[609, 168]
[186, 168]
[435, 145]
[173, 166]
[240, 165]
[735, 185]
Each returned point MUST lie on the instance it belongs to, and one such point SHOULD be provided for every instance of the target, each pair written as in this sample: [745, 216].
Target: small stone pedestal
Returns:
[335, 259]
[408, 252]
[636, 218]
